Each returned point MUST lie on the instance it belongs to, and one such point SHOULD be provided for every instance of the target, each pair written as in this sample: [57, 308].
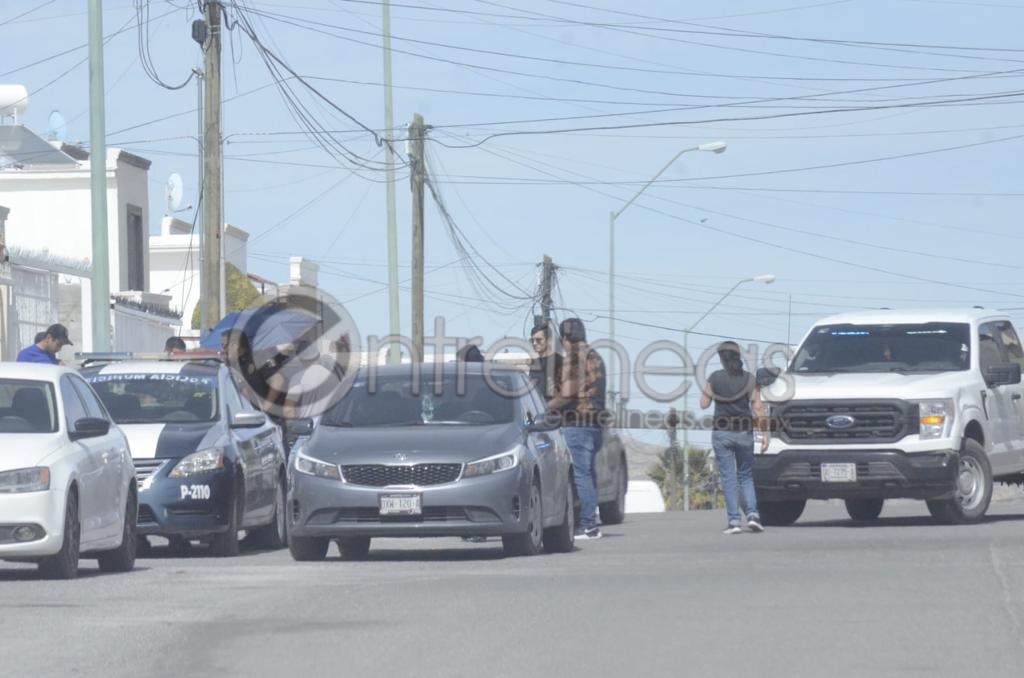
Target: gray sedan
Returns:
[464, 453]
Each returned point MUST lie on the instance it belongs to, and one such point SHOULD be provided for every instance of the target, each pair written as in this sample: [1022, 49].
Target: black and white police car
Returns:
[208, 463]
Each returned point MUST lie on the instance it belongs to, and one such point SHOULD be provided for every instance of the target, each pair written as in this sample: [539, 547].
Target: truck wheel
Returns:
[780, 513]
[864, 509]
[973, 489]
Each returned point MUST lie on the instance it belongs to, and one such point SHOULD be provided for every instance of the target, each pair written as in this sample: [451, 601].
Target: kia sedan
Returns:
[464, 453]
[67, 486]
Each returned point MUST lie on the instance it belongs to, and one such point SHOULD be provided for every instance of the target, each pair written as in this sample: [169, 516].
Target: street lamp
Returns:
[710, 147]
[764, 279]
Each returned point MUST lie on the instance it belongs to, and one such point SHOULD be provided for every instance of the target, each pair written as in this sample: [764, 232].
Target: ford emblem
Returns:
[840, 421]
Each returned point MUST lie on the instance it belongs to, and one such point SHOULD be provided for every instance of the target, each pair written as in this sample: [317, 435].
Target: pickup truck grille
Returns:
[845, 421]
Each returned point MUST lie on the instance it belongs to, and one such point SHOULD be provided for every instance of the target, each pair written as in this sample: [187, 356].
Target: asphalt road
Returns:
[661, 595]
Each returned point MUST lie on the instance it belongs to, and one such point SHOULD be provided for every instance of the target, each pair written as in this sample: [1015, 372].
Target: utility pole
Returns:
[672, 473]
[213, 188]
[394, 354]
[417, 130]
[98, 183]
[546, 283]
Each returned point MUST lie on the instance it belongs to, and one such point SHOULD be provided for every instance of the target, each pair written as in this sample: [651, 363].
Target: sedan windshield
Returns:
[926, 347]
[392, 401]
[157, 398]
[27, 407]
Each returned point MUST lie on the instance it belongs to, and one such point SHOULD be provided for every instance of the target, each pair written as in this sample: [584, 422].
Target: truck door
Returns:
[1006, 335]
[1000, 406]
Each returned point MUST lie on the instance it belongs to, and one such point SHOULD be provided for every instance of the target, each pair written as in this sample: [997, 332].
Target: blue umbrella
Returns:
[266, 327]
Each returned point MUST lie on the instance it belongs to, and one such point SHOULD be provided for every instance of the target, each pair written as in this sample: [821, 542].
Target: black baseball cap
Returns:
[60, 333]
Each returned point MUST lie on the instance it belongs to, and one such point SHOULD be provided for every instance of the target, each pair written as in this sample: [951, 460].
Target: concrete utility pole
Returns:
[417, 130]
[394, 353]
[98, 183]
[546, 283]
[213, 187]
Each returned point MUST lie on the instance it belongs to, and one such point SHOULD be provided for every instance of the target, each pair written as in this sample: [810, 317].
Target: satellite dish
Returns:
[57, 127]
[174, 192]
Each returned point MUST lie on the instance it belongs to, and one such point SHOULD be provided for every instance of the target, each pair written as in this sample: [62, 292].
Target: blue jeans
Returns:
[584, 444]
[734, 452]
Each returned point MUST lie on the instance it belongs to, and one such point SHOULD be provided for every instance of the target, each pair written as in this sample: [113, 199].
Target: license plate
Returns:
[401, 505]
[838, 473]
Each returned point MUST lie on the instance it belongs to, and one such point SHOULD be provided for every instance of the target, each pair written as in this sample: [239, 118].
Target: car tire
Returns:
[64, 563]
[562, 538]
[275, 535]
[864, 510]
[354, 548]
[531, 542]
[614, 512]
[780, 513]
[225, 544]
[973, 489]
[122, 559]
[308, 549]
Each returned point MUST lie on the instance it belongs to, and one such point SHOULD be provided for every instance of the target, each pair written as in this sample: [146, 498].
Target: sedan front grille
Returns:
[385, 475]
[144, 468]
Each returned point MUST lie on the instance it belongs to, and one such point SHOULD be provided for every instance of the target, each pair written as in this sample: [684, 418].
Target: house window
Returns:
[135, 242]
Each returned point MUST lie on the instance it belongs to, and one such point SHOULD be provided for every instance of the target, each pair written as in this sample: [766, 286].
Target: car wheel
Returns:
[122, 559]
[614, 512]
[531, 542]
[973, 489]
[305, 549]
[780, 513]
[562, 538]
[354, 548]
[64, 563]
[864, 510]
[275, 535]
[225, 544]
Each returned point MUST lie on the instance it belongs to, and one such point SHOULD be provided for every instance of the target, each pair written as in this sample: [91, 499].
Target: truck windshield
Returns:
[926, 347]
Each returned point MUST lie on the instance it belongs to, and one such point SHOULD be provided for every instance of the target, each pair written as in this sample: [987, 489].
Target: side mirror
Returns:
[550, 421]
[300, 427]
[1003, 374]
[766, 376]
[248, 419]
[90, 427]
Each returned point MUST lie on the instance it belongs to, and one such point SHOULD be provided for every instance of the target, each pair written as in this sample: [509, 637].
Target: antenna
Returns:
[173, 193]
[57, 127]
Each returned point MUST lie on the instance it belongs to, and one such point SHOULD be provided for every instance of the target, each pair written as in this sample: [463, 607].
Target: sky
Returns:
[873, 151]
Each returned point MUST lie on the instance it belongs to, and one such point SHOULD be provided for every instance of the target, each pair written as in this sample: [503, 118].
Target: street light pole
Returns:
[712, 147]
[766, 279]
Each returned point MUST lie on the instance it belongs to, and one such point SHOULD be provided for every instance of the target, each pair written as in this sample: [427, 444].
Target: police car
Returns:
[208, 463]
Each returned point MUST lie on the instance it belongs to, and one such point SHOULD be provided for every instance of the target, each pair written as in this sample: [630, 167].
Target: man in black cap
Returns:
[45, 351]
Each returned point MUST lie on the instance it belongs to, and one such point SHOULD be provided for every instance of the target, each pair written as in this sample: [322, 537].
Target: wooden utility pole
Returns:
[546, 283]
[417, 130]
[213, 188]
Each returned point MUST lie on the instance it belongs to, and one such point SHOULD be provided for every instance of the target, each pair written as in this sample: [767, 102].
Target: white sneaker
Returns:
[733, 529]
[754, 525]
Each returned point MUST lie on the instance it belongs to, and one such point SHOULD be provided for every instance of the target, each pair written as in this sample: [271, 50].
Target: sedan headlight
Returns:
[25, 480]
[936, 417]
[202, 461]
[488, 465]
[315, 467]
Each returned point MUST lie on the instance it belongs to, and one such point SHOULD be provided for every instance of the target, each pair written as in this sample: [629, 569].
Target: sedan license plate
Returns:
[401, 505]
[838, 473]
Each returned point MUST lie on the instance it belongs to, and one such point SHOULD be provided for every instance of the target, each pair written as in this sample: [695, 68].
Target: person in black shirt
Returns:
[546, 368]
[737, 400]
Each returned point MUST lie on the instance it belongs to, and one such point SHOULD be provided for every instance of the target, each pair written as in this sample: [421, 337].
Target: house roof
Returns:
[19, 147]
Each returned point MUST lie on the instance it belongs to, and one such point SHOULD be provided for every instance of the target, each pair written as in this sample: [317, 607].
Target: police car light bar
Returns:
[120, 356]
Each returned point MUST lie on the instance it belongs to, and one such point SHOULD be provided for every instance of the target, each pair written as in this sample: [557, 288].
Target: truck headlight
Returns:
[202, 461]
[315, 467]
[495, 464]
[25, 480]
[936, 417]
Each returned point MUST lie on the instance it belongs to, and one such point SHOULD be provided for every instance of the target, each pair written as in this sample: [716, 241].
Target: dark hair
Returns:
[39, 337]
[174, 344]
[543, 329]
[236, 334]
[572, 329]
[470, 354]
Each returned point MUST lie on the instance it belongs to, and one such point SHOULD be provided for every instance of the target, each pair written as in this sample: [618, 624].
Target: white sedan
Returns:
[67, 484]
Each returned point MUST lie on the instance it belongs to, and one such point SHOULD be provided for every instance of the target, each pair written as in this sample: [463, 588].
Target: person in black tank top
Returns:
[738, 409]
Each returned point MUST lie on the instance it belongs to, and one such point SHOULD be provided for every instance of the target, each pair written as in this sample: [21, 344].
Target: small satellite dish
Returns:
[57, 129]
[174, 192]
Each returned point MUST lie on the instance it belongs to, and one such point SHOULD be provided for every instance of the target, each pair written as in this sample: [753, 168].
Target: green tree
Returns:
[668, 474]
[241, 293]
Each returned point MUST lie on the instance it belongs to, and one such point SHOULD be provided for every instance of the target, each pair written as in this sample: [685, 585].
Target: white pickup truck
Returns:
[875, 405]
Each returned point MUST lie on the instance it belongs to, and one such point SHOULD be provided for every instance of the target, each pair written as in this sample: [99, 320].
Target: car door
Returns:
[115, 459]
[89, 462]
[1006, 335]
[544, 446]
[247, 443]
[998, 401]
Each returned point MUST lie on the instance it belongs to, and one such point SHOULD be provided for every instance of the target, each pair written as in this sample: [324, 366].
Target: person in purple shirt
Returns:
[45, 350]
